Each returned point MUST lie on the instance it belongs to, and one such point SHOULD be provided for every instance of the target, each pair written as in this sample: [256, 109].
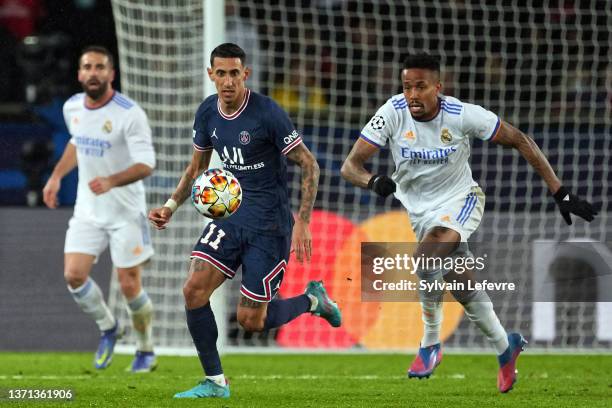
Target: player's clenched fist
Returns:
[159, 217]
[570, 204]
[382, 185]
[100, 185]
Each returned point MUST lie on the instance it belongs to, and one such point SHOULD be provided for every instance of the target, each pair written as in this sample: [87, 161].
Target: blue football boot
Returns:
[144, 362]
[326, 308]
[206, 389]
[506, 376]
[104, 354]
[425, 362]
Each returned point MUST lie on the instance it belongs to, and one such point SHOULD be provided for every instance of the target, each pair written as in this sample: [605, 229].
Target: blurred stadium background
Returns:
[330, 63]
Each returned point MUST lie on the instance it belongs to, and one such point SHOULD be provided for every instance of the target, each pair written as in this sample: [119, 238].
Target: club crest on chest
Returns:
[244, 137]
[445, 136]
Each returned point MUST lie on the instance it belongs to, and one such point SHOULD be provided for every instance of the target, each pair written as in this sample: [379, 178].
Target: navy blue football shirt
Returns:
[252, 143]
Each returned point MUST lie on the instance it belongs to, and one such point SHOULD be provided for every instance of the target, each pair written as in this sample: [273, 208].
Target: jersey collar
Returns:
[243, 106]
[101, 106]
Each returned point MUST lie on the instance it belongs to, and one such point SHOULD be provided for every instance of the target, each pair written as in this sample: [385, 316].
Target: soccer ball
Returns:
[216, 194]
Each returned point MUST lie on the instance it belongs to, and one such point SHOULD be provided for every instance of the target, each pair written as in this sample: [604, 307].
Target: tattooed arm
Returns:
[159, 217]
[250, 303]
[301, 240]
[199, 163]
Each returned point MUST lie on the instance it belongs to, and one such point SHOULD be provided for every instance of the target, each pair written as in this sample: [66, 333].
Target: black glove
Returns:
[381, 185]
[569, 203]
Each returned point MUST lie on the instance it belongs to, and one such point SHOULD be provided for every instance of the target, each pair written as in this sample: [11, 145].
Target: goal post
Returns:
[162, 49]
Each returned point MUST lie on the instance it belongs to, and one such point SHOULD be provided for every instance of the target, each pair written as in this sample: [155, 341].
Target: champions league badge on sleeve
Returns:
[377, 122]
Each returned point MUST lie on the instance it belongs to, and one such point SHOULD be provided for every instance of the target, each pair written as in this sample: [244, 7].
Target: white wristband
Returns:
[171, 204]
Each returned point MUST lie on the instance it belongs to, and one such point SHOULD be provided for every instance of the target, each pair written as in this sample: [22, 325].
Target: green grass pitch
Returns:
[316, 380]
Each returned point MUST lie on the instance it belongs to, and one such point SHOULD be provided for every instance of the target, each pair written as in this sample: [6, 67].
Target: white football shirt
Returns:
[109, 139]
[431, 157]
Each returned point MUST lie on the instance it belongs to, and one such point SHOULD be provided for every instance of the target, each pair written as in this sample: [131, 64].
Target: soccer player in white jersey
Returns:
[111, 144]
[429, 135]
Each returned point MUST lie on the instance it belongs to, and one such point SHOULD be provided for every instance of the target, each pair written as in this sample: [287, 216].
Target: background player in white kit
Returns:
[111, 143]
[429, 137]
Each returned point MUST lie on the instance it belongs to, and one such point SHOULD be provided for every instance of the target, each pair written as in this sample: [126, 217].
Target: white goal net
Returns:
[161, 64]
[331, 64]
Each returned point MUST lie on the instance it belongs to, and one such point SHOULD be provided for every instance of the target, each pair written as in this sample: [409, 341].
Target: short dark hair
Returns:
[228, 50]
[423, 61]
[98, 49]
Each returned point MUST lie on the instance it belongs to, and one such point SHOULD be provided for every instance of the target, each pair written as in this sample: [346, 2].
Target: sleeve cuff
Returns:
[292, 145]
[202, 149]
[147, 159]
[370, 141]
[495, 131]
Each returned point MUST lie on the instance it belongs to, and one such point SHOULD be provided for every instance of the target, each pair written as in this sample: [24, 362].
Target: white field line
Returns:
[237, 350]
[248, 377]
[251, 377]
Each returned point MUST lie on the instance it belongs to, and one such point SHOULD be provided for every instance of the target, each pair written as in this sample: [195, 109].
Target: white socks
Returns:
[314, 302]
[432, 319]
[141, 310]
[479, 310]
[431, 308]
[89, 298]
[218, 379]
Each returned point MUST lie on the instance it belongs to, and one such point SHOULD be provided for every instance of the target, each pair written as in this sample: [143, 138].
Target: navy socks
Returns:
[203, 329]
[281, 311]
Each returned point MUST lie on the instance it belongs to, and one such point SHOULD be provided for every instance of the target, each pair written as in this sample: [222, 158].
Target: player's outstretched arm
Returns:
[301, 241]
[353, 170]
[100, 185]
[67, 162]
[568, 203]
[160, 216]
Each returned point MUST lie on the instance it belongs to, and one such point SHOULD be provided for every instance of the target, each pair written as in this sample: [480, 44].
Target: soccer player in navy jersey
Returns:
[253, 136]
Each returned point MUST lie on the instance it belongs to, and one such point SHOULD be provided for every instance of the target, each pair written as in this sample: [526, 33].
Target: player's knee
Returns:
[74, 277]
[463, 296]
[442, 234]
[466, 296]
[251, 323]
[189, 291]
[129, 281]
[194, 294]
[129, 288]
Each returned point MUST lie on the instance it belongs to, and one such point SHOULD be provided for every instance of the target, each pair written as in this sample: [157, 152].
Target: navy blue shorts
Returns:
[263, 258]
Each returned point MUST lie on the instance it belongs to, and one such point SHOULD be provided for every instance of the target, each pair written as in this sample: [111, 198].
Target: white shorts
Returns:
[130, 245]
[462, 214]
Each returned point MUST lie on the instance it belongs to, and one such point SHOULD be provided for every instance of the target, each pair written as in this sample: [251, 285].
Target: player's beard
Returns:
[96, 93]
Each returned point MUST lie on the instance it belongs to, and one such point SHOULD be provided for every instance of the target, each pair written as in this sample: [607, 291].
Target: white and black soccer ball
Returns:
[377, 122]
